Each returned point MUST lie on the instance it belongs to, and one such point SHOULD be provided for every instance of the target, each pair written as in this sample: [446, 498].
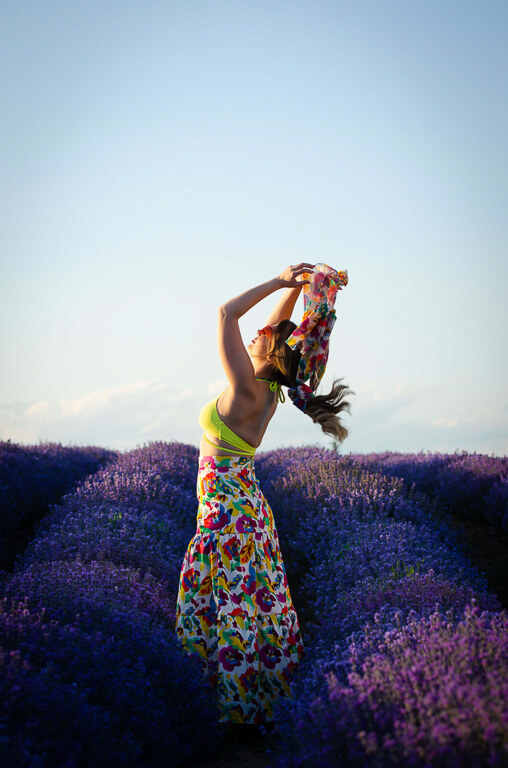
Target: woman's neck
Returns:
[263, 372]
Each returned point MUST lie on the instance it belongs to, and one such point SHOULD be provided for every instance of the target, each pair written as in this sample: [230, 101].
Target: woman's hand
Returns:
[288, 277]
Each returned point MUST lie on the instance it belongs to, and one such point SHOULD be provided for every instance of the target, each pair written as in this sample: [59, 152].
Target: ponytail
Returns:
[323, 410]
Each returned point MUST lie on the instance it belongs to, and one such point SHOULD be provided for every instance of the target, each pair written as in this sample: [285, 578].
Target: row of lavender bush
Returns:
[92, 673]
[406, 651]
[471, 485]
[34, 476]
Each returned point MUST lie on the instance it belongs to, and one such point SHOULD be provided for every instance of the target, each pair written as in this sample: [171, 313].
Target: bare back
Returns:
[248, 417]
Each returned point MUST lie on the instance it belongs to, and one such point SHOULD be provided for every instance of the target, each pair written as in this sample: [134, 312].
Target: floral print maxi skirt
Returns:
[234, 608]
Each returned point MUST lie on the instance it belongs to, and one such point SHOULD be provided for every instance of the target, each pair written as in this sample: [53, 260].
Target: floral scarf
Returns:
[312, 337]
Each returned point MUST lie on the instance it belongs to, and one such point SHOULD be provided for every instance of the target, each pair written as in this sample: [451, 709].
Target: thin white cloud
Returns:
[186, 394]
[115, 417]
[37, 409]
[445, 422]
[97, 400]
[402, 418]
[216, 386]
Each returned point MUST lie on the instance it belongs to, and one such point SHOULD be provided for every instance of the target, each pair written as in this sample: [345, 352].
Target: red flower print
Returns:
[190, 580]
[232, 547]
[249, 679]
[288, 671]
[215, 522]
[204, 547]
[269, 549]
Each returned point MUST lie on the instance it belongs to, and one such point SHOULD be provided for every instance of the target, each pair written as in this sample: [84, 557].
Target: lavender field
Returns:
[33, 477]
[406, 645]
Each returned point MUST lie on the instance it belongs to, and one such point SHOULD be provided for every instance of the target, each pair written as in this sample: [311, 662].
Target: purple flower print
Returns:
[245, 524]
[223, 598]
[265, 599]
[269, 655]
[236, 599]
[230, 658]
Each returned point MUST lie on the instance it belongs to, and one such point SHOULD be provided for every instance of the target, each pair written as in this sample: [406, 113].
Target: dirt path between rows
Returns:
[487, 548]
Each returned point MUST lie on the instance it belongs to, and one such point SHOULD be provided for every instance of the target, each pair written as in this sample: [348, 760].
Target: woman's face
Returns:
[260, 344]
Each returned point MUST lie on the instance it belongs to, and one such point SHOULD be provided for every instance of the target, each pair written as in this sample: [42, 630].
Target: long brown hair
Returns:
[322, 409]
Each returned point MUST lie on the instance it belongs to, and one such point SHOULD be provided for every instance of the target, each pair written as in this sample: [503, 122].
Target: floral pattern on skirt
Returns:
[234, 608]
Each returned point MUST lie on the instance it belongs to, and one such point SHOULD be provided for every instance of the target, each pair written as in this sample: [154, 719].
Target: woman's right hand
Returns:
[287, 278]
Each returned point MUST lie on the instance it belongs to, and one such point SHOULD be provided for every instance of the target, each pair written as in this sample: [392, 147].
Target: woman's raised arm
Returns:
[284, 307]
[233, 354]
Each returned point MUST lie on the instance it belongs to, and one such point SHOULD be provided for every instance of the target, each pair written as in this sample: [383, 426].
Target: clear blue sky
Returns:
[158, 158]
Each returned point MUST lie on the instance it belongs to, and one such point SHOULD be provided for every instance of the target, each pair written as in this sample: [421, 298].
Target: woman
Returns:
[234, 607]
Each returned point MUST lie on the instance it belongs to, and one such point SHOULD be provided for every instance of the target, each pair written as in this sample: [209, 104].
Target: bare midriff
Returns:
[209, 448]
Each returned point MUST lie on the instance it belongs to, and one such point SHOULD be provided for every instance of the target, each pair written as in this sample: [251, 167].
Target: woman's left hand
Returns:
[289, 275]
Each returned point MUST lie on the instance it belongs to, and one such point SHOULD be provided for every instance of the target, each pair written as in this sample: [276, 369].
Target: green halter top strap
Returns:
[275, 387]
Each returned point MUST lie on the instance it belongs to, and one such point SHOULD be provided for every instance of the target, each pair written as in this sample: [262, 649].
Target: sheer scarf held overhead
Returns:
[312, 336]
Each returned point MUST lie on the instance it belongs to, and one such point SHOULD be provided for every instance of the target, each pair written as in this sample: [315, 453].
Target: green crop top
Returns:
[211, 422]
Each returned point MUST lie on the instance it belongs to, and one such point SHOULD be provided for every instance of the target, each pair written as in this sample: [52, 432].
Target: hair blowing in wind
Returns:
[324, 410]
